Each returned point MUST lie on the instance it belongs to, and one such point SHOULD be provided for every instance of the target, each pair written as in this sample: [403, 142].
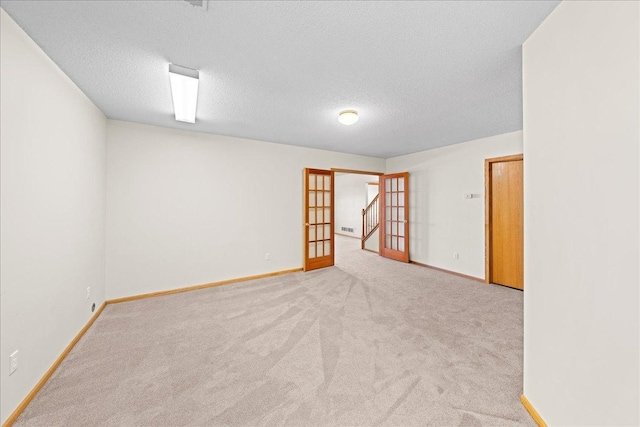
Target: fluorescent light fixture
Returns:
[348, 117]
[184, 91]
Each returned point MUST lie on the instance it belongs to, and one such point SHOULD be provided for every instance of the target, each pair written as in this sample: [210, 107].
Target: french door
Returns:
[394, 216]
[318, 219]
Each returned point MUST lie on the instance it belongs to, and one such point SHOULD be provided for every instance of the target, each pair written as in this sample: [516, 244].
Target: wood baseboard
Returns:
[532, 411]
[204, 286]
[25, 402]
[371, 250]
[477, 279]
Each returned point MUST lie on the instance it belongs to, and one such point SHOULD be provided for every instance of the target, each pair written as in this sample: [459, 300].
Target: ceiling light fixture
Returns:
[184, 91]
[348, 117]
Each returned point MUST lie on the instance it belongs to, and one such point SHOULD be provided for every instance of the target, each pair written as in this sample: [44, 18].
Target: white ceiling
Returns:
[420, 74]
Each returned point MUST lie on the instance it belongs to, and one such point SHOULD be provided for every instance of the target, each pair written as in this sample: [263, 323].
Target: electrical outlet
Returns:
[267, 256]
[13, 365]
[456, 255]
[88, 292]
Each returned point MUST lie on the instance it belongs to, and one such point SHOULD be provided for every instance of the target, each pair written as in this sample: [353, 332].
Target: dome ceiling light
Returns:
[348, 117]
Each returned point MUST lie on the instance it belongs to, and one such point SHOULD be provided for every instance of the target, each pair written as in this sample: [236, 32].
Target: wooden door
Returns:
[504, 228]
[394, 216]
[318, 219]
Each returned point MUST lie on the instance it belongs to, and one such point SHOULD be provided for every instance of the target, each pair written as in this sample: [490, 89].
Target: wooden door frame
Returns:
[488, 212]
[354, 171]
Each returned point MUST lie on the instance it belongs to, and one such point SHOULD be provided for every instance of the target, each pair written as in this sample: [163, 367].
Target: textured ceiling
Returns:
[420, 74]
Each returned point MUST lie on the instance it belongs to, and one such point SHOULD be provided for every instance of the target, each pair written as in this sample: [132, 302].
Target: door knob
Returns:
[307, 224]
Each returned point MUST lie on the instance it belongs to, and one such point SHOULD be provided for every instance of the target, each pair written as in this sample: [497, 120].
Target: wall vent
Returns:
[198, 3]
[350, 230]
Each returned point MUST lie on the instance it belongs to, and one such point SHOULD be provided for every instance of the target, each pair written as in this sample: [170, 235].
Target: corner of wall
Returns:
[53, 141]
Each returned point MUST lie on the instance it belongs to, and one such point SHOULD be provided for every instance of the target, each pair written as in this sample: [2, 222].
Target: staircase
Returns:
[370, 221]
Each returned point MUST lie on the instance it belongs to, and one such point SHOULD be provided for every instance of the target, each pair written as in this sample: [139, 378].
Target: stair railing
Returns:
[370, 220]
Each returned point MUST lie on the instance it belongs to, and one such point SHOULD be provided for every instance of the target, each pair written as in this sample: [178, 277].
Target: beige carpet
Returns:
[368, 342]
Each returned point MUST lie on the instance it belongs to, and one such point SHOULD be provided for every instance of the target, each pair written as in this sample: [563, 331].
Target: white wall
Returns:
[52, 234]
[372, 191]
[441, 220]
[186, 208]
[581, 139]
[351, 192]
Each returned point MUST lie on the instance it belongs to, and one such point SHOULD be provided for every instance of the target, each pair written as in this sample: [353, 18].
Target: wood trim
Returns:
[25, 402]
[532, 411]
[477, 279]
[365, 238]
[371, 250]
[511, 158]
[373, 183]
[364, 227]
[487, 209]
[204, 286]
[368, 214]
[346, 235]
[372, 202]
[487, 221]
[356, 171]
[305, 218]
[333, 218]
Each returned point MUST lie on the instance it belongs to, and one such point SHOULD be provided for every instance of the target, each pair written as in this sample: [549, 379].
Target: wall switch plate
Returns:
[267, 256]
[468, 196]
[88, 292]
[13, 364]
[456, 255]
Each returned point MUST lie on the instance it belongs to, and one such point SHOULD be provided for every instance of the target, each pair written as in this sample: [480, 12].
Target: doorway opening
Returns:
[370, 239]
[368, 206]
[356, 205]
